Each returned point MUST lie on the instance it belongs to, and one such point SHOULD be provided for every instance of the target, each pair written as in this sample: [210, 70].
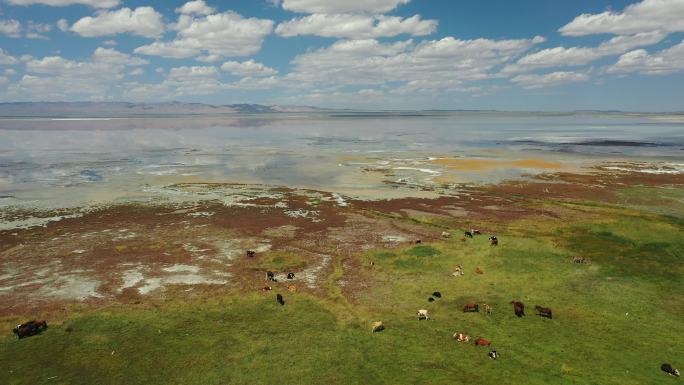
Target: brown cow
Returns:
[482, 342]
[478, 271]
[518, 308]
[544, 311]
[460, 337]
[267, 288]
[471, 307]
[30, 328]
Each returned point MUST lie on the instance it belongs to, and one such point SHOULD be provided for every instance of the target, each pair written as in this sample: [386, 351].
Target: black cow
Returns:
[518, 308]
[437, 294]
[468, 234]
[493, 354]
[493, 240]
[544, 311]
[279, 299]
[667, 368]
[30, 328]
[431, 299]
[251, 253]
[290, 275]
[270, 276]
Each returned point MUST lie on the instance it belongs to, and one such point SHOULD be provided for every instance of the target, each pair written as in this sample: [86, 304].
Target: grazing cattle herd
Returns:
[32, 328]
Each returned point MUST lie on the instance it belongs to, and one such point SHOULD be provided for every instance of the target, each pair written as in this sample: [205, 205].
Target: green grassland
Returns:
[616, 319]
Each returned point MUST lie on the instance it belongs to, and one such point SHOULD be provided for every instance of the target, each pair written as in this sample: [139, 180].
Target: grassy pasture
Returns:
[616, 319]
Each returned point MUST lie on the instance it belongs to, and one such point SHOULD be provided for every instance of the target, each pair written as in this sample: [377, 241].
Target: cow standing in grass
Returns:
[544, 311]
[471, 307]
[29, 329]
[493, 240]
[667, 368]
[280, 300]
[518, 308]
[423, 314]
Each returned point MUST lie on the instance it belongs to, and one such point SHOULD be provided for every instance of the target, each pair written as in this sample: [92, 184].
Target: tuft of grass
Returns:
[423, 251]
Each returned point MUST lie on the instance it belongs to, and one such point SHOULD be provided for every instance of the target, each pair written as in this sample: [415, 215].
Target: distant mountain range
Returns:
[114, 109]
[126, 109]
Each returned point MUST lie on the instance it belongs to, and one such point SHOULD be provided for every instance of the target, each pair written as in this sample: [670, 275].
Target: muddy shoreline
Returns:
[138, 253]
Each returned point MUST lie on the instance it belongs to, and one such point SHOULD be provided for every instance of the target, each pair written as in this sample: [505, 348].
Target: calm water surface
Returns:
[73, 162]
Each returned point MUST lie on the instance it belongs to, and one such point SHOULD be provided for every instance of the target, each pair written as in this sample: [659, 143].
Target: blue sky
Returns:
[395, 54]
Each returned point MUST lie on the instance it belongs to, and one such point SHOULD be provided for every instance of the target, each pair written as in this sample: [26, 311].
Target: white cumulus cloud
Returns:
[247, 68]
[64, 3]
[356, 26]
[667, 61]
[432, 64]
[533, 81]
[646, 16]
[11, 28]
[7, 59]
[342, 6]
[63, 25]
[56, 77]
[576, 56]
[224, 34]
[197, 7]
[142, 21]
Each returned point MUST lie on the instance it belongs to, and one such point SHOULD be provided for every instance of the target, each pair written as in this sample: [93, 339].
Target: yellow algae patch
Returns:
[121, 248]
[536, 163]
[485, 164]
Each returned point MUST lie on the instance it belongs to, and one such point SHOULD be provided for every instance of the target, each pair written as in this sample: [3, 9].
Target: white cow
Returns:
[423, 314]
